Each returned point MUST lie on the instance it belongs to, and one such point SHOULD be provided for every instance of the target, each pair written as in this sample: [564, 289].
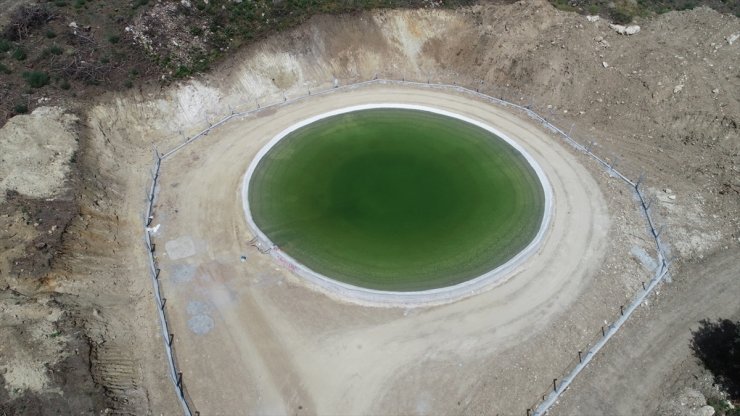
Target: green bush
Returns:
[19, 54]
[114, 39]
[52, 50]
[20, 108]
[50, 34]
[620, 16]
[722, 407]
[4, 46]
[36, 79]
[182, 72]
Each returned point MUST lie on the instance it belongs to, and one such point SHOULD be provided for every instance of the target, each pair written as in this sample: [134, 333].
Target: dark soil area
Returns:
[50, 219]
[80, 394]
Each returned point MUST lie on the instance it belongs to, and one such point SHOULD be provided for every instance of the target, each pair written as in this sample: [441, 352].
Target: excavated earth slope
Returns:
[663, 102]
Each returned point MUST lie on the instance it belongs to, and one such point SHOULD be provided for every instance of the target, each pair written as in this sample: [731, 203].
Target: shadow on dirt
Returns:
[717, 345]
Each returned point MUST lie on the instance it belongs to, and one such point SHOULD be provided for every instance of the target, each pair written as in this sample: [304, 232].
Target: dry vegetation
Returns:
[62, 49]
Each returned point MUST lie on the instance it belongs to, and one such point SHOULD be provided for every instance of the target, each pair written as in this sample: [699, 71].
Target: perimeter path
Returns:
[254, 338]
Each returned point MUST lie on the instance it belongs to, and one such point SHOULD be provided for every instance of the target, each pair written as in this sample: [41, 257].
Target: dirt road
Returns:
[637, 370]
[258, 335]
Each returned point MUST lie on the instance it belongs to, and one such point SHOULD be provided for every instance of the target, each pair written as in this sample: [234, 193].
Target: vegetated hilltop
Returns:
[75, 49]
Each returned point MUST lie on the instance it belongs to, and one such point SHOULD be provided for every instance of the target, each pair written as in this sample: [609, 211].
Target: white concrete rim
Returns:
[374, 297]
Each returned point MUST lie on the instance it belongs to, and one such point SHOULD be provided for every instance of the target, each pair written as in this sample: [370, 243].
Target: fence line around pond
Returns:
[543, 402]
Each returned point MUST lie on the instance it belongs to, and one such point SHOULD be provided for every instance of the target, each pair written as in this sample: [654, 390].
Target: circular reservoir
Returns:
[395, 199]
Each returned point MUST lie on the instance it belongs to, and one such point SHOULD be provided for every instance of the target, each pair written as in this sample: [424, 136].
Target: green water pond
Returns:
[396, 199]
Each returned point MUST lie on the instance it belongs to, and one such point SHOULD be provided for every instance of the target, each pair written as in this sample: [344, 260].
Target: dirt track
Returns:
[650, 359]
[247, 321]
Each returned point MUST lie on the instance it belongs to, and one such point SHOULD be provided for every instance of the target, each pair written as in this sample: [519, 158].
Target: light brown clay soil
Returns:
[83, 331]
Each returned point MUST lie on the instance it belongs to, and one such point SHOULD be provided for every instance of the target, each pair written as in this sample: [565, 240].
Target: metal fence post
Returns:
[645, 203]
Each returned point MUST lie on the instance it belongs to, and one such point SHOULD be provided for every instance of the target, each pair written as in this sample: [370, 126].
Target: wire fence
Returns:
[498, 95]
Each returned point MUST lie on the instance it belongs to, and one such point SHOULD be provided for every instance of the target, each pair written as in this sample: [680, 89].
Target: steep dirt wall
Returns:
[662, 102]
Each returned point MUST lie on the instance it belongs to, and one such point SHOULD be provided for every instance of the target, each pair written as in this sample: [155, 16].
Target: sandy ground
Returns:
[652, 353]
[277, 347]
[289, 341]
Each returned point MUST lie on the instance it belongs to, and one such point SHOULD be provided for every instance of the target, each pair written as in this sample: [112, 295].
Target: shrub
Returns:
[717, 346]
[19, 54]
[36, 79]
[4, 46]
[50, 34]
[114, 39]
[64, 85]
[52, 50]
[20, 108]
[182, 72]
[620, 16]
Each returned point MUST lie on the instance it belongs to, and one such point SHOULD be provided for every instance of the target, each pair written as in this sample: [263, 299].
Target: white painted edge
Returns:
[373, 297]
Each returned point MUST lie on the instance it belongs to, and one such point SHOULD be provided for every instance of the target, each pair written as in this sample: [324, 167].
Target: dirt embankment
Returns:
[663, 102]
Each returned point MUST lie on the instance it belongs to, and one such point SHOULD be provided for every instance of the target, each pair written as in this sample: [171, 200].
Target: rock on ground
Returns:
[35, 152]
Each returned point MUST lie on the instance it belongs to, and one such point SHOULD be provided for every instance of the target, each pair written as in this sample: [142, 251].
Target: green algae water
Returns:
[396, 199]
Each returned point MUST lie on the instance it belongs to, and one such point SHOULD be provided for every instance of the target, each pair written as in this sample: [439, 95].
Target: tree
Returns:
[717, 346]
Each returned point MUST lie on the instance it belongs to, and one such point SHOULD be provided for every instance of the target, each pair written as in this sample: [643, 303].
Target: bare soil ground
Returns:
[650, 361]
[665, 103]
[248, 320]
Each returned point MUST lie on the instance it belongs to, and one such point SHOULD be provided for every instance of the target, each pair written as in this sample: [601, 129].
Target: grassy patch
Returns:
[19, 54]
[20, 108]
[624, 11]
[36, 79]
[52, 50]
